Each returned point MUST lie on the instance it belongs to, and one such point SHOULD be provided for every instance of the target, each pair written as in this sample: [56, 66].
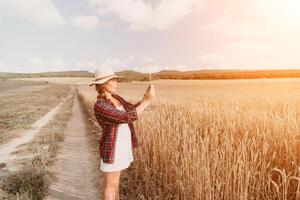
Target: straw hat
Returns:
[104, 74]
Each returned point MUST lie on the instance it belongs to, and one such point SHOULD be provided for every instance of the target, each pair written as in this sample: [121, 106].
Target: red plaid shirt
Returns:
[109, 118]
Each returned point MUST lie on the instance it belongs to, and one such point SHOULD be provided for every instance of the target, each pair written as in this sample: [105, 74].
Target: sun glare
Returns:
[286, 10]
[290, 9]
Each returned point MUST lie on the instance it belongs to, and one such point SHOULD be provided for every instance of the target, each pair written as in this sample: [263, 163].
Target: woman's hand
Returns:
[148, 97]
[150, 93]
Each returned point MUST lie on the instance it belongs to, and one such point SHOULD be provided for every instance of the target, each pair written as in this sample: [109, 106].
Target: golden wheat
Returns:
[215, 144]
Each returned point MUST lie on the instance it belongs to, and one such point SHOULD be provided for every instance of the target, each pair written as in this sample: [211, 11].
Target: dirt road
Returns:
[6, 150]
[76, 169]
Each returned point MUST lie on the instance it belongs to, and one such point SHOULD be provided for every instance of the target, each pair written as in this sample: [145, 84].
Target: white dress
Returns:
[123, 149]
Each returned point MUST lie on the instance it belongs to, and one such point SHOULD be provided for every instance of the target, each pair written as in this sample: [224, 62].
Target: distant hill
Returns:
[130, 75]
[48, 74]
[228, 74]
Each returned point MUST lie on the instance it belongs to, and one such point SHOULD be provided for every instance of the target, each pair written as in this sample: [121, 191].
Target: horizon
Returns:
[196, 70]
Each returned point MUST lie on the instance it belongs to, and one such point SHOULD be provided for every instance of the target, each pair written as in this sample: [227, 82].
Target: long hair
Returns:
[100, 88]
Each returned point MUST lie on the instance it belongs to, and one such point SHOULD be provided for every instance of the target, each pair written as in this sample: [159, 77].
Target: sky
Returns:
[148, 35]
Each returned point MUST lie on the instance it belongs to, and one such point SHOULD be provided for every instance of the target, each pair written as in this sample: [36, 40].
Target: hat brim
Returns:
[104, 80]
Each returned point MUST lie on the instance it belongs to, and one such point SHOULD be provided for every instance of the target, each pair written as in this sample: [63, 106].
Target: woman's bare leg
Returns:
[111, 185]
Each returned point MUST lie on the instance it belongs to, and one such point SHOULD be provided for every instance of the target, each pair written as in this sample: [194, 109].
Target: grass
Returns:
[225, 141]
[26, 184]
[43, 148]
[20, 110]
[93, 135]
[34, 177]
[7, 84]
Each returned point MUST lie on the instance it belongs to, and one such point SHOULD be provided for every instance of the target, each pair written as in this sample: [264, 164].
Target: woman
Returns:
[115, 115]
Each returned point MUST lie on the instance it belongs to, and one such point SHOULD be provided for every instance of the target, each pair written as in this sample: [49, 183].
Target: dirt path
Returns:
[76, 166]
[6, 150]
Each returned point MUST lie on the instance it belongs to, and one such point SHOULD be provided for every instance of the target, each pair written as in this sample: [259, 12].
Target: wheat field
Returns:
[213, 139]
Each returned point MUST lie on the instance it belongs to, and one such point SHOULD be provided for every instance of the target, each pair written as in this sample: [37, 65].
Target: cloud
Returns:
[141, 15]
[89, 65]
[39, 12]
[146, 58]
[182, 67]
[3, 67]
[156, 68]
[254, 55]
[39, 64]
[118, 64]
[88, 23]
[142, 63]
[137, 63]
[151, 69]
[34, 65]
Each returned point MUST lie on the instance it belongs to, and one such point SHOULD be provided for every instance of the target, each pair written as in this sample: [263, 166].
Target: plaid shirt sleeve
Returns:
[129, 104]
[110, 114]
